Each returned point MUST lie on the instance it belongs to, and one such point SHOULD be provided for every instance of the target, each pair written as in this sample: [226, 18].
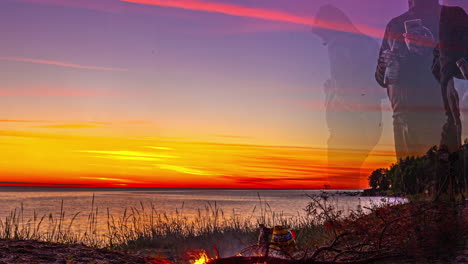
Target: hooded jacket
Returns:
[421, 91]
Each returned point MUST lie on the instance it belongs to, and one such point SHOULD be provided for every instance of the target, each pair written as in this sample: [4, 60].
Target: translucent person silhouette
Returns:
[451, 62]
[353, 99]
[462, 89]
[404, 69]
[459, 3]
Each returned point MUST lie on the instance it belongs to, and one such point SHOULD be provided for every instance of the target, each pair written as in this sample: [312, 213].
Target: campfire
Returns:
[203, 258]
[199, 257]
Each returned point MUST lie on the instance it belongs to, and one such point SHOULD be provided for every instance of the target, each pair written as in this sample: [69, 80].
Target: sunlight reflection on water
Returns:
[244, 203]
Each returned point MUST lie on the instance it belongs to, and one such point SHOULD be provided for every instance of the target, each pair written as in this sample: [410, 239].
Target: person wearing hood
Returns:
[352, 99]
[404, 69]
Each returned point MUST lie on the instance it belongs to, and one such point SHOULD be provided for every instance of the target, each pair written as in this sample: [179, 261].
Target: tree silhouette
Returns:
[434, 173]
[378, 180]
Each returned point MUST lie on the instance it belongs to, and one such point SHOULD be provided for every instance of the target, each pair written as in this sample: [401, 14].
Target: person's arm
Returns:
[385, 54]
[436, 63]
[381, 65]
[453, 41]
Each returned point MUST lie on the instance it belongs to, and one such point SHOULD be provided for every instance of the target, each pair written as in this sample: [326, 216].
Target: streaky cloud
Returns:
[159, 148]
[129, 153]
[68, 126]
[259, 13]
[134, 158]
[109, 179]
[52, 93]
[9, 183]
[183, 169]
[21, 121]
[62, 64]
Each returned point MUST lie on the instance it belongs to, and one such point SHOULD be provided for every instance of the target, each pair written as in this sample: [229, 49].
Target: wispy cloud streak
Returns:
[62, 64]
[68, 126]
[109, 179]
[129, 153]
[54, 93]
[258, 13]
[183, 169]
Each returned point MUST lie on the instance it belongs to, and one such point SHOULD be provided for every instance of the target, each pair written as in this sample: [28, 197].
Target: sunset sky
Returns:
[173, 93]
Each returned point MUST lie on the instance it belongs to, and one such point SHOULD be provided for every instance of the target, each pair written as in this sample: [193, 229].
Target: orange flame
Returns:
[202, 260]
[200, 257]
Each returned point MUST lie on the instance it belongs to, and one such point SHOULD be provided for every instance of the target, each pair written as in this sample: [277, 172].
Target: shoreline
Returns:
[34, 251]
[97, 188]
[386, 228]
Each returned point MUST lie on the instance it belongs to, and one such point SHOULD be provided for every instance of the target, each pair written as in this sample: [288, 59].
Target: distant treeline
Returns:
[438, 172]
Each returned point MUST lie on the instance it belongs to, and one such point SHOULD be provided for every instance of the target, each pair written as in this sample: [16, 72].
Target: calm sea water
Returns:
[46, 201]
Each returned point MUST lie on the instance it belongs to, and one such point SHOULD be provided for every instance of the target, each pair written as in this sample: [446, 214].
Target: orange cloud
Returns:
[109, 179]
[129, 153]
[9, 183]
[38, 135]
[20, 121]
[237, 10]
[69, 126]
[62, 64]
[51, 121]
[232, 137]
[51, 92]
[261, 181]
[159, 148]
[160, 162]
[184, 170]
[135, 158]
[25, 134]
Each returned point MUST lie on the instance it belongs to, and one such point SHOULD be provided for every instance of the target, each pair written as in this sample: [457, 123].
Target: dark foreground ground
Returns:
[34, 252]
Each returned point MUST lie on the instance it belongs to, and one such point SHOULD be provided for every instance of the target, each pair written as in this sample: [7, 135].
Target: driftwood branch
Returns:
[331, 247]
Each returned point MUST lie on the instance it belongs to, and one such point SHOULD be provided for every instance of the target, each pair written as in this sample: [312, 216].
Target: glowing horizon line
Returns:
[110, 179]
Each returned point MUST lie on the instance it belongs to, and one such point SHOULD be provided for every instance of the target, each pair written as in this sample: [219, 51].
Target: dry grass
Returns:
[145, 227]
[382, 229]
